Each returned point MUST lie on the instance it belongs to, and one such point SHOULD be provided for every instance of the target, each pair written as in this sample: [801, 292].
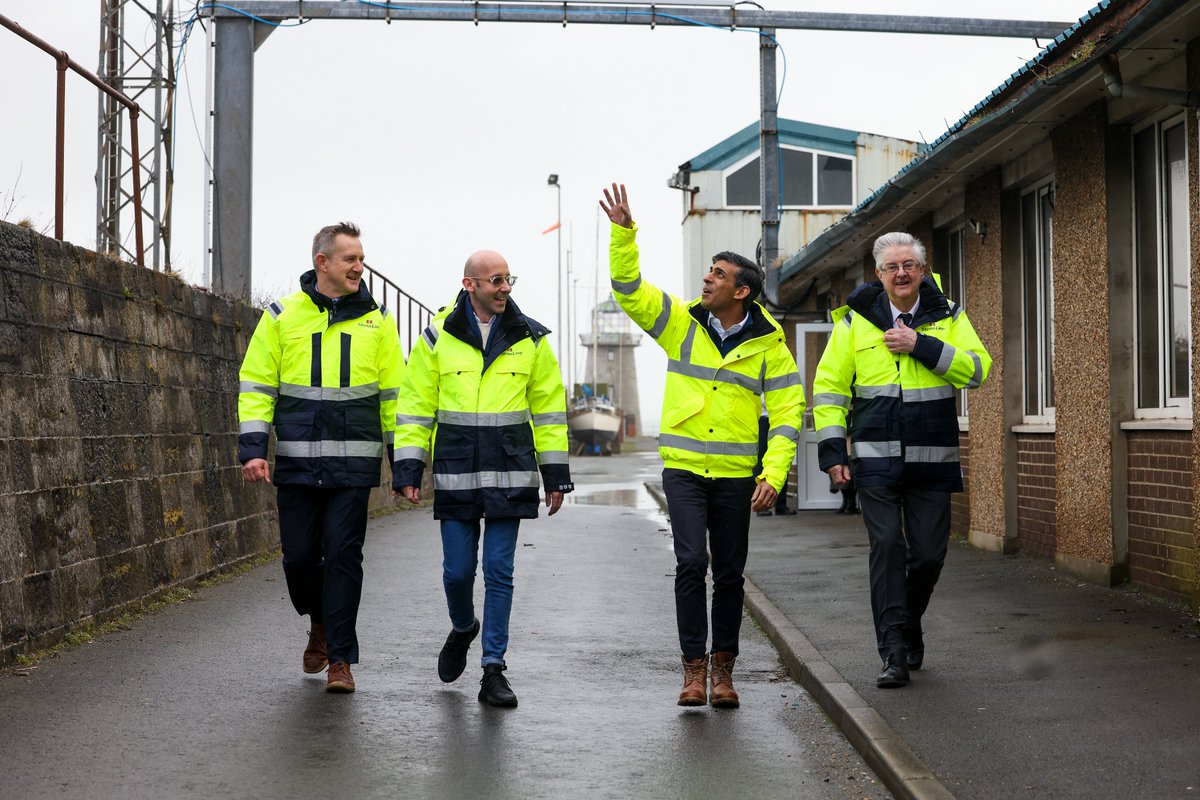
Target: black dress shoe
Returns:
[453, 658]
[785, 512]
[894, 674]
[915, 658]
[494, 689]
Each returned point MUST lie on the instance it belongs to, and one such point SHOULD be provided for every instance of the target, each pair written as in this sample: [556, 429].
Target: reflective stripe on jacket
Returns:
[325, 375]
[903, 424]
[711, 403]
[495, 418]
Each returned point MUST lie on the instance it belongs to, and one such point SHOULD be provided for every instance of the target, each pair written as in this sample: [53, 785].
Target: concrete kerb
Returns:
[905, 775]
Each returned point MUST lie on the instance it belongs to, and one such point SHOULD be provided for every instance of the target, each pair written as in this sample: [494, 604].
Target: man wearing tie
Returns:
[900, 349]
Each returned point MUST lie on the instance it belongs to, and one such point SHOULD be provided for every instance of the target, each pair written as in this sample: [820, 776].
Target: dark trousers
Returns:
[909, 531]
[716, 512]
[322, 533]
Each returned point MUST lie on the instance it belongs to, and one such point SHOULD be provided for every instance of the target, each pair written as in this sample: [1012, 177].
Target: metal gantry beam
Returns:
[725, 16]
[135, 58]
[229, 251]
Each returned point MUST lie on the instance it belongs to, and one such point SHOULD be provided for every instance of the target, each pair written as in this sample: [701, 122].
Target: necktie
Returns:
[906, 319]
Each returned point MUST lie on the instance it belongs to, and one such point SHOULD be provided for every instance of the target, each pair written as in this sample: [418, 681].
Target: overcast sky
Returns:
[437, 138]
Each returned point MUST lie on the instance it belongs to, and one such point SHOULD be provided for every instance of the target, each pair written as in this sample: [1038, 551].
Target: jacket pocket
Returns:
[682, 409]
[295, 426]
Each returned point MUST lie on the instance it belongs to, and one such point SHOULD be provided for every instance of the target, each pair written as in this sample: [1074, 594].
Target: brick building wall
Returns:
[1161, 547]
[960, 502]
[1036, 478]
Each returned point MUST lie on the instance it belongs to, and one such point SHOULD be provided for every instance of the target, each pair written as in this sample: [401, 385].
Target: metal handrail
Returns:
[411, 314]
[65, 62]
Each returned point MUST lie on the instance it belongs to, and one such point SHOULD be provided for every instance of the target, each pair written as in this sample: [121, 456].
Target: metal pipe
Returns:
[1110, 67]
[60, 144]
[137, 186]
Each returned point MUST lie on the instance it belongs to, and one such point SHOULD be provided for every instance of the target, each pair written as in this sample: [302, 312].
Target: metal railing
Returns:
[411, 314]
[65, 62]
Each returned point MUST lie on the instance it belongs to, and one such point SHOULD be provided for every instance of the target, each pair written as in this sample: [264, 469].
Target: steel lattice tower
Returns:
[136, 44]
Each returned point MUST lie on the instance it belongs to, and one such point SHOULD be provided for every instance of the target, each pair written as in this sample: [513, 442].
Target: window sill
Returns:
[1039, 427]
[1157, 425]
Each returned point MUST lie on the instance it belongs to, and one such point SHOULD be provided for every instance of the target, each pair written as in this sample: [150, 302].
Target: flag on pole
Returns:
[553, 227]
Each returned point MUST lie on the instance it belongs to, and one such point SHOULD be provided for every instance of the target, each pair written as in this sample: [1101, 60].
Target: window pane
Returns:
[1046, 202]
[1032, 318]
[797, 177]
[1175, 216]
[835, 181]
[741, 187]
[1145, 213]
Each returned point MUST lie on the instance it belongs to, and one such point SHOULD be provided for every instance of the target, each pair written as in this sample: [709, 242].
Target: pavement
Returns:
[1034, 684]
[206, 699]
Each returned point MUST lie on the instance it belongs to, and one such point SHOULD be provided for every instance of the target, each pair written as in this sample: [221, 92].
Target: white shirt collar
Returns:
[721, 330]
[897, 312]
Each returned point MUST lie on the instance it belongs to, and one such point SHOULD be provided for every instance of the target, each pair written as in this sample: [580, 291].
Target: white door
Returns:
[812, 485]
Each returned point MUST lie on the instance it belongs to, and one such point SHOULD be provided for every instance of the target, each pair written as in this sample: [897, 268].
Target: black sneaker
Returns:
[453, 658]
[494, 689]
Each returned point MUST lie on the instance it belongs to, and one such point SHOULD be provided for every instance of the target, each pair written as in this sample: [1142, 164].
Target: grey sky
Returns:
[437, 138]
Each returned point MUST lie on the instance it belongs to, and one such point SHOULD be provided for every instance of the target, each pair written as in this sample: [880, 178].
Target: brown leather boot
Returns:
[695, 673]
[723, 695]
[339, 678]
[316, 653]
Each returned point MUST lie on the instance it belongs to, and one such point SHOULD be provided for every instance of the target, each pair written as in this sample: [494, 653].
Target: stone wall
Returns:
[118, 471]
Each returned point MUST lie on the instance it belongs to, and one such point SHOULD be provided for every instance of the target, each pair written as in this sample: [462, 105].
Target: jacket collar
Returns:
[761, 323]
[871, 301]
[344, 308]
[508, 328]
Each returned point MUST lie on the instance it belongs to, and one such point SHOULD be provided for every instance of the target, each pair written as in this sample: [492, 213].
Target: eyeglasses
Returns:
[907, 266]
[496, 280]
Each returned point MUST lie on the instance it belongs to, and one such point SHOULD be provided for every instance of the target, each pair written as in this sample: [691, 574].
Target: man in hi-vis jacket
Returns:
[323, 367]
[483, 392]
[898, 354]
[726, 356]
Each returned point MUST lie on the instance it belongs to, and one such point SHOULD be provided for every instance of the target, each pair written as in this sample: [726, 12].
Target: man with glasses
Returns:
[483, 387]
[726, 357]
[899, 350]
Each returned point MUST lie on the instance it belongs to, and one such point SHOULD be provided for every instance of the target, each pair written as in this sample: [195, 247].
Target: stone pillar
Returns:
[1085, 425]
[993, 474]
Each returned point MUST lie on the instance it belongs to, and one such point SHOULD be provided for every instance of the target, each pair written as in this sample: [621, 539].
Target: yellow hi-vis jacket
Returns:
[711, 403]
[325, 374]
[900, 407]
[495, 416]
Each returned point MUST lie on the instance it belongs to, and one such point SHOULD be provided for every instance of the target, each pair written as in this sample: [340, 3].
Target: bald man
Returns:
[484, 388]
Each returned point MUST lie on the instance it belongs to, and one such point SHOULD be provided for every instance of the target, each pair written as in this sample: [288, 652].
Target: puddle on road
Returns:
[627, 498]
[634, 496]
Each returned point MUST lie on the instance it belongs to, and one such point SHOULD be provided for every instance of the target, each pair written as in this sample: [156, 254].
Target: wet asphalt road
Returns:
[206, 698]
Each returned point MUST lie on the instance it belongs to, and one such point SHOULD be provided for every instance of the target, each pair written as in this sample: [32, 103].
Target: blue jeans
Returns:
[460, 557]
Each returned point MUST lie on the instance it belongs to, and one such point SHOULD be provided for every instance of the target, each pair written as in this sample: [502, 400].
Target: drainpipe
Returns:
[1111, 69]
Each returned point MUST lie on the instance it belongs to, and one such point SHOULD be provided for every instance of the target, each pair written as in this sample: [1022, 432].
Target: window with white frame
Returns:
[950, 265]
[1037, 273]
[1162, 327]
[810, 179]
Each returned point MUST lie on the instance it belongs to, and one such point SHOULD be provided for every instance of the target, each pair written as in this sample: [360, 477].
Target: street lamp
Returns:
[553, 181]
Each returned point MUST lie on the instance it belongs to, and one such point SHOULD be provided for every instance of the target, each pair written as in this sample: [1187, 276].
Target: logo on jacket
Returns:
[366, 323]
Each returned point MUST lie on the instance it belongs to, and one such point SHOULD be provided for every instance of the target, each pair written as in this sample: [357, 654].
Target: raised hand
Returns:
[617, 206]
